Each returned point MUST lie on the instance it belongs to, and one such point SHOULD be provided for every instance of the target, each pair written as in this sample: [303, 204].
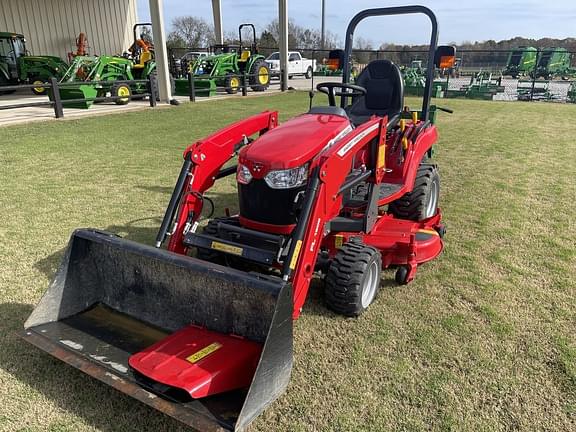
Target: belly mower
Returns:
[202, 330]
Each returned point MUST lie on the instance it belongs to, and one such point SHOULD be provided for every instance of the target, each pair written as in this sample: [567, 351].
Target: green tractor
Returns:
[85, 70]
[553, 62]
[225, 68]
[92, 74]
[521, 62]
[17, 66]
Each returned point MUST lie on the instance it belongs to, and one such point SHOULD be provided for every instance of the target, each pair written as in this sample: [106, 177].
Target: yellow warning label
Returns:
[206, 351]
[226, 248]
[294, 259]
[381, 157]
[338, 240]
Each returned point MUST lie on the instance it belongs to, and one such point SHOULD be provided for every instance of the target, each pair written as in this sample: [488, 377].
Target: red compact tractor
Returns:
[341, 191]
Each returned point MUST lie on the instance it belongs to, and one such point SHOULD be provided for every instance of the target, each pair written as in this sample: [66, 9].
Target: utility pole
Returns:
[323, 30]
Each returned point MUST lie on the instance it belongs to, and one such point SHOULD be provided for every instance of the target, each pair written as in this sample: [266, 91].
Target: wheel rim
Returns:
[370, 284]
[234, 83]
[263, 75]
[38, 89]
[432, 203]
[124, 92]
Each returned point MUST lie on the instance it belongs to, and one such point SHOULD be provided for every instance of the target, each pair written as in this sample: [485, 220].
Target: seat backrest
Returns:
[244, 56]
[384, 89]
[145, 57]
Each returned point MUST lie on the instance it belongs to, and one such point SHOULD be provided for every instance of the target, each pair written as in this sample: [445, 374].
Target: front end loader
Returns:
[226, 67]
[202, 329]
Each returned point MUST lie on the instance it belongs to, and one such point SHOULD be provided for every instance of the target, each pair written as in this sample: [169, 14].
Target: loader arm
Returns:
[323, 203]
[206, 158]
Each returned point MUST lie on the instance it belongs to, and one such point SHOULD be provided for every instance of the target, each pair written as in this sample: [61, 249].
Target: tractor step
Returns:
[359, 200]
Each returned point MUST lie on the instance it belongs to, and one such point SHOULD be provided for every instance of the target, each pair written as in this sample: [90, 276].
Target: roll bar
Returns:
[400, 10]
[253, 33]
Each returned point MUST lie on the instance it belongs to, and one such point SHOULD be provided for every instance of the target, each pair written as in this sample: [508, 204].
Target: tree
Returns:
[294, 32]
[267, 40]
[193, 31]
[362, 49]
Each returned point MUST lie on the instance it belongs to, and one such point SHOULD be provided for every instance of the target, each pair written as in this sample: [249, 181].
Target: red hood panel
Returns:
[295, 142]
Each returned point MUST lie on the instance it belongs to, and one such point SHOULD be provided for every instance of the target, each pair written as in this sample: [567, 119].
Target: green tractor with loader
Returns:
[17, 66]
[95, 77]
[226, 67]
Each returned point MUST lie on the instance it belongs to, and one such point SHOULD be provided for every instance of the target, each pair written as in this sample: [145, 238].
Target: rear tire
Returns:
[259, 76]
[353, 278]
[422, 202]
[123, 90]
[308, 73]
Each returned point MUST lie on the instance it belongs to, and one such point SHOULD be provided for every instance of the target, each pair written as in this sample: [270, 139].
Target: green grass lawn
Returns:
[482, 340]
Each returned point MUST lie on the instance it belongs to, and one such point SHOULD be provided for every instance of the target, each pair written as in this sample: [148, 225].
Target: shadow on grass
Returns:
[98, 405]
[130, 231]
[316, 305]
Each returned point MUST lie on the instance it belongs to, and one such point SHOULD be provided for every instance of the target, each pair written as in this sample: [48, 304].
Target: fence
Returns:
[58, 103]
[195, 85]
[479, 74]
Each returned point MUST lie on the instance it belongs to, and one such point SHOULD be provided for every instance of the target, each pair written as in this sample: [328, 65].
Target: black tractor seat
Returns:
[384, 93]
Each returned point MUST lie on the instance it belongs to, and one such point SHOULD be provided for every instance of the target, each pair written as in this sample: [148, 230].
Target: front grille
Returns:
[260, 203]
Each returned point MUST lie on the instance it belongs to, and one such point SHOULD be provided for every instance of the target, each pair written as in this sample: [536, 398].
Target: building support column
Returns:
[217, 14]
[163, 71]
[283, 24]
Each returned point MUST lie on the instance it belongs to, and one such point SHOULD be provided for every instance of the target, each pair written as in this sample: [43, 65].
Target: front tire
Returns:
[353, 278]
[422, 202]
[39, 90]
[123, 92]
[232, 84]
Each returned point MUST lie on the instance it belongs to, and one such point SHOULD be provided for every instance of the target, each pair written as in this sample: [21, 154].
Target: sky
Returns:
[458, 20]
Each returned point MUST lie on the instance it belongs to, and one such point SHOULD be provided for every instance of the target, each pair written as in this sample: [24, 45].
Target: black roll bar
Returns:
[400, 10]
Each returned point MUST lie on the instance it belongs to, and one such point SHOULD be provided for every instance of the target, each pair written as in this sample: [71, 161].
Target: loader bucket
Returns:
[113, 302]
[202, 86]
[82, 95]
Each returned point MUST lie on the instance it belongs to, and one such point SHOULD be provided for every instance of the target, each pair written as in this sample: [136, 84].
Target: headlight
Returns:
[286, 179]
[243, 174]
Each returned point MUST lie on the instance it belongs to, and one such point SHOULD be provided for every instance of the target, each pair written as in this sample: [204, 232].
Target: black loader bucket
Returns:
[119, 311]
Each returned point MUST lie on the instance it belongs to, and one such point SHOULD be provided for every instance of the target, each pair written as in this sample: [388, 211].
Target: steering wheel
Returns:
[348, 90]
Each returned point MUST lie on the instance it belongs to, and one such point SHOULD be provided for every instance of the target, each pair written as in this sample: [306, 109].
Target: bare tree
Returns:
[193, 31]
[362, 47]
[300, 37]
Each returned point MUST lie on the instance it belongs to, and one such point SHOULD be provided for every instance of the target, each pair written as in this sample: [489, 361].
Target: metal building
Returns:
[52, 26]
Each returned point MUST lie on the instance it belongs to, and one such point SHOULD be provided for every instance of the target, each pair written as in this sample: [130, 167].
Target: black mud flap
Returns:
[112, 298]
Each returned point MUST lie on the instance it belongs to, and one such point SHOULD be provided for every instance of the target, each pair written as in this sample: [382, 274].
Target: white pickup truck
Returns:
[297, 65]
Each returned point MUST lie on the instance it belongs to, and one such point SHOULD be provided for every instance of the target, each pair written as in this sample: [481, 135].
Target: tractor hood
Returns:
[293, 143]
